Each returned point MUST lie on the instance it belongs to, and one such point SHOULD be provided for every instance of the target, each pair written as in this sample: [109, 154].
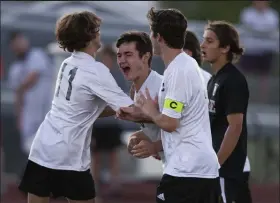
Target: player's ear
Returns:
[146, 57]
[159, 38]
[226, 49]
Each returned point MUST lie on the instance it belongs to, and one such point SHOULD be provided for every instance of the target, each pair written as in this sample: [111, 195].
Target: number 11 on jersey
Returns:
[72, 74]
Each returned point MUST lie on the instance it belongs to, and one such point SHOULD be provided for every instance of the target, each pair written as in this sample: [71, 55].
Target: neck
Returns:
[139, 81]
[218, 65]
[169, 55]
[90, 50]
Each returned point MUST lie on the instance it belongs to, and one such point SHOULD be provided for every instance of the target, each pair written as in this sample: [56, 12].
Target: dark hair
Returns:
[14, 34]
[142, 40]
[74, 31]
[227, 36]
[107, 49]
[171, 24]
[192, 44]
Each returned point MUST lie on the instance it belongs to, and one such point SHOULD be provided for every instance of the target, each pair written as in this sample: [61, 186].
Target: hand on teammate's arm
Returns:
[133, 113]
[146, 149]
[231, 136]
[147, 105]
[135, 139]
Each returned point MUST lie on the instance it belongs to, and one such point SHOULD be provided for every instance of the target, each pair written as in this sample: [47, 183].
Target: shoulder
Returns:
[236, 78]
[157, 77]
[206, 74]
[95, 68]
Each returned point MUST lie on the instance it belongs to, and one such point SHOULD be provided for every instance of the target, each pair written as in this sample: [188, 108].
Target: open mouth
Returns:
[125, 70]
[203, 53]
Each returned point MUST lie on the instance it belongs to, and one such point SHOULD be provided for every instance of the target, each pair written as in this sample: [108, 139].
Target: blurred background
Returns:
[258, 26]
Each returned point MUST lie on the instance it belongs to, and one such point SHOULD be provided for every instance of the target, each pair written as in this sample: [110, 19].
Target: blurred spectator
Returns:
[106, 138]
[31, 79]
[261, 24]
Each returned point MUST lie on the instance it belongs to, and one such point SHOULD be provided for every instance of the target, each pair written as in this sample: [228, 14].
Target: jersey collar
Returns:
[224, 68]
[82, 55]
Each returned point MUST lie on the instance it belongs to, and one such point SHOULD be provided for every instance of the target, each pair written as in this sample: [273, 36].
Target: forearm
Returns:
[229, 143]
[142, 118]
[164, 122]
[108, 111]
[158, 146]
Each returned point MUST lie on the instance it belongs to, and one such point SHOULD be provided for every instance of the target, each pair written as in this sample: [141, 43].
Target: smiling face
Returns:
[210, 50]
[129, 61]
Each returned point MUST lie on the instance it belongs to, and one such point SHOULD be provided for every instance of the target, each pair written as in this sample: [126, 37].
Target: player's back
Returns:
[83, 89]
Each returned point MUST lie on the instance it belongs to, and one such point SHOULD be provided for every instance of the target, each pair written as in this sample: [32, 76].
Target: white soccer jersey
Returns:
[206, 76]
[83, 89]
[153, 83]
[188, 150]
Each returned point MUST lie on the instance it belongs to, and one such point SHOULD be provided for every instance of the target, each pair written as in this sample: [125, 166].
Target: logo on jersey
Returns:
[162, 88]
[173, 105]
[161, 196]
[211, 106]
[216, 85]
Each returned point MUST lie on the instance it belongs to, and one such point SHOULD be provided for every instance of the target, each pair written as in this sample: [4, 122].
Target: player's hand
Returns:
[133, 141]
[144, 149]
[148, 105]
[129, 113]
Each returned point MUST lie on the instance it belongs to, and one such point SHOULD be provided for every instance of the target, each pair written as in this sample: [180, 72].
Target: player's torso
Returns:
[189, 148]
[63, 139]
[153, 83]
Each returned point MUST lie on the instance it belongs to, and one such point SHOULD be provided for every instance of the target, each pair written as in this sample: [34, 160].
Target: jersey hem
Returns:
[67, 168]
[193, 175]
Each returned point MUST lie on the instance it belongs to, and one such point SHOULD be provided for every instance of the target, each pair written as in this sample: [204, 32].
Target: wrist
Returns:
[154, 115]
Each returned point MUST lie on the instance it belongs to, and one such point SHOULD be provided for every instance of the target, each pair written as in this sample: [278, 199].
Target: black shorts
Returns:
[236, 189]
[45, 182]
[187, 190]
[106, 138]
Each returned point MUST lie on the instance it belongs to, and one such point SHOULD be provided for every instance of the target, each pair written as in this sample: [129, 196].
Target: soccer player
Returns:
[134, 57]
[192, 48]
[228, 101]
[191, 165]
[59, 160]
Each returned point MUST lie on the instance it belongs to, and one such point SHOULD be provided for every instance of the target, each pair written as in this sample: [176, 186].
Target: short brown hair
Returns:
[107, 50]
[171, 24]
[74, 31]
[227, 36]
[142, 40]
[192, 44]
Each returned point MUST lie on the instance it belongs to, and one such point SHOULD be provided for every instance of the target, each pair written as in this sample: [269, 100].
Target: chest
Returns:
[215, 91]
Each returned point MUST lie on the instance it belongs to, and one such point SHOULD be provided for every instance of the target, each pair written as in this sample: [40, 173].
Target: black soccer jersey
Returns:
[228, 94]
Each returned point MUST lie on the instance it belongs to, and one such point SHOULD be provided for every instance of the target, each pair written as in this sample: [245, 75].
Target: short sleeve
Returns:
[105, 87]
[236, 96]
[178, 94]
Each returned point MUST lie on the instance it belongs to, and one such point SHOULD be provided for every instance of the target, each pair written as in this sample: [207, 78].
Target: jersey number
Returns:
[72, 74]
